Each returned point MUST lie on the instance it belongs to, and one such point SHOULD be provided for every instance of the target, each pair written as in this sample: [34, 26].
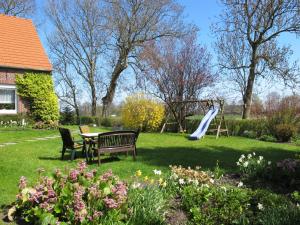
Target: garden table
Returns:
[91, 141]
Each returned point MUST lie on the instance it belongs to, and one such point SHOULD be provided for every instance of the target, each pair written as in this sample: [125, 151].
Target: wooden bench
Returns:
[115, 142]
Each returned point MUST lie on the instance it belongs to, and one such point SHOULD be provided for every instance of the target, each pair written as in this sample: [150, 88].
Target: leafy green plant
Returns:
[268, 138]
[67, 116]
[280, 215]
[250, 134]
[90, 120]
[148, 205]
[111, 122]
[38, 89]
[232, 205]
[284, 132]
[48, 125]
[217, 205]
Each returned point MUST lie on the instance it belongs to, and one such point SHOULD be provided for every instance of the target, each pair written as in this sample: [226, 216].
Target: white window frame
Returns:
[10, 111]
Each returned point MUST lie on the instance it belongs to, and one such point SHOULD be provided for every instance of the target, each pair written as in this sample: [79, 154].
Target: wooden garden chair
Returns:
[69, 143]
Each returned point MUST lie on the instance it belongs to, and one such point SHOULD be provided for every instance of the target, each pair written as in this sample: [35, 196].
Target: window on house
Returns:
[8, 99]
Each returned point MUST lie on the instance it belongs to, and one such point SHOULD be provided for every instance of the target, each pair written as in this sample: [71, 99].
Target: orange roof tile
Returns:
[20, 46]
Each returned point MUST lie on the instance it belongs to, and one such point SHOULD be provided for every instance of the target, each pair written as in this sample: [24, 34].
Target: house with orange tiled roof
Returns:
[21, 51]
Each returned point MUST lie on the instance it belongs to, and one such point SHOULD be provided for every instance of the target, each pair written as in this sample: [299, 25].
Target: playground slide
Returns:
[201, 130]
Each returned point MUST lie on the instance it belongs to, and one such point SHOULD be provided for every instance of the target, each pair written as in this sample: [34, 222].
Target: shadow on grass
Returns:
[206, 157]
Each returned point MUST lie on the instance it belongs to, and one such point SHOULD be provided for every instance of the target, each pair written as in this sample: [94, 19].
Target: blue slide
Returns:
[201, 130]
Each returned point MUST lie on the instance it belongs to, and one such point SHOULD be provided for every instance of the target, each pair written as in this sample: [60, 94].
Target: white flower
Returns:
[258, 161]
[157, 172]
[238, 163]
[241, 159]
[298, 205]
[249, 156]
[246, 164]
[189, 180]
[174, 176]
[260, 206]
[224, 188]
[269, 162]
[181, 181]
[253, 153]
[136, 185]
[240, 184]
[198, 167]
[205, 185]
[212, 181]
[261, 157]
[242, 156]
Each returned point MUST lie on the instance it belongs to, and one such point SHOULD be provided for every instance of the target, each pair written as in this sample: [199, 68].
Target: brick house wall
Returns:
[8, 77]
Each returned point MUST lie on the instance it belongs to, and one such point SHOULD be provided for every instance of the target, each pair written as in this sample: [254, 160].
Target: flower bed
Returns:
[80, 196]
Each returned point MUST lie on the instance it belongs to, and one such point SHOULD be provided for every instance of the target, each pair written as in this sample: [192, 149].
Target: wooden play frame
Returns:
[218, 125]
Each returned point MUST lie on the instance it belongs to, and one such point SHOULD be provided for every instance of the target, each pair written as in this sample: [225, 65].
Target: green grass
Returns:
[155, 151]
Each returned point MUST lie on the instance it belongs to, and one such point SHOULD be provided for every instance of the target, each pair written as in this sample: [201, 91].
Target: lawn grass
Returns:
[155, 151]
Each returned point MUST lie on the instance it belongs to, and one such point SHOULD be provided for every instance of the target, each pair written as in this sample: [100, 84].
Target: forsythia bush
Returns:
[38, 89]
[142, 112]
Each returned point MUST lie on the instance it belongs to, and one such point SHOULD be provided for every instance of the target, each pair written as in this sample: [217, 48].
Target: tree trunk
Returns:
[110, 93]
[94, 100]
[247, 98]
[77, 114]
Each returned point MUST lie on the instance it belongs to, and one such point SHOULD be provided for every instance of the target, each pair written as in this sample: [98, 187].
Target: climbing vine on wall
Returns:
[38, 89]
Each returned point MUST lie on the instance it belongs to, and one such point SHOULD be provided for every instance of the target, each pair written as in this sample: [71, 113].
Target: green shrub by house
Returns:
[38, 89]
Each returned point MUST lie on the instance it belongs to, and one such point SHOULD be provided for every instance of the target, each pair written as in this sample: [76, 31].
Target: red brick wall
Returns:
[8, 76]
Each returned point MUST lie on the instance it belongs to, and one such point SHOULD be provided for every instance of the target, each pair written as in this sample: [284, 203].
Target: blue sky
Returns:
[202, 13]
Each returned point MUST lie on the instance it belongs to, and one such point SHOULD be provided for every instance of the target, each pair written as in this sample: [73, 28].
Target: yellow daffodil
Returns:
[146, 178]
[138, 173]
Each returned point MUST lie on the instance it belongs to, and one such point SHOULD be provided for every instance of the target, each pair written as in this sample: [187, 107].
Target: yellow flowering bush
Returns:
[142, 112]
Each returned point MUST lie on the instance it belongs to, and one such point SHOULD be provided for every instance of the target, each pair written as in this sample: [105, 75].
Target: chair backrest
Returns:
[117, 139]
[84, 129]
[66, 137]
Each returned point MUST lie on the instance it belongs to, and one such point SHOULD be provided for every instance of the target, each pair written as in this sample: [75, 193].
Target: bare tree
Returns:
[17, 7]
[79, 31]
[176, 70]
[133, 23]
[247, 42]
[69, 91]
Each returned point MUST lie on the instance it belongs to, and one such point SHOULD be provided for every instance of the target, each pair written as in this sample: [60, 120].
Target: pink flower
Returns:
[110, 203]
[93, 191]
[58, 173]
[74, 175]
[81, 166]
[106, 176]
[89, 175]
[22, 183]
